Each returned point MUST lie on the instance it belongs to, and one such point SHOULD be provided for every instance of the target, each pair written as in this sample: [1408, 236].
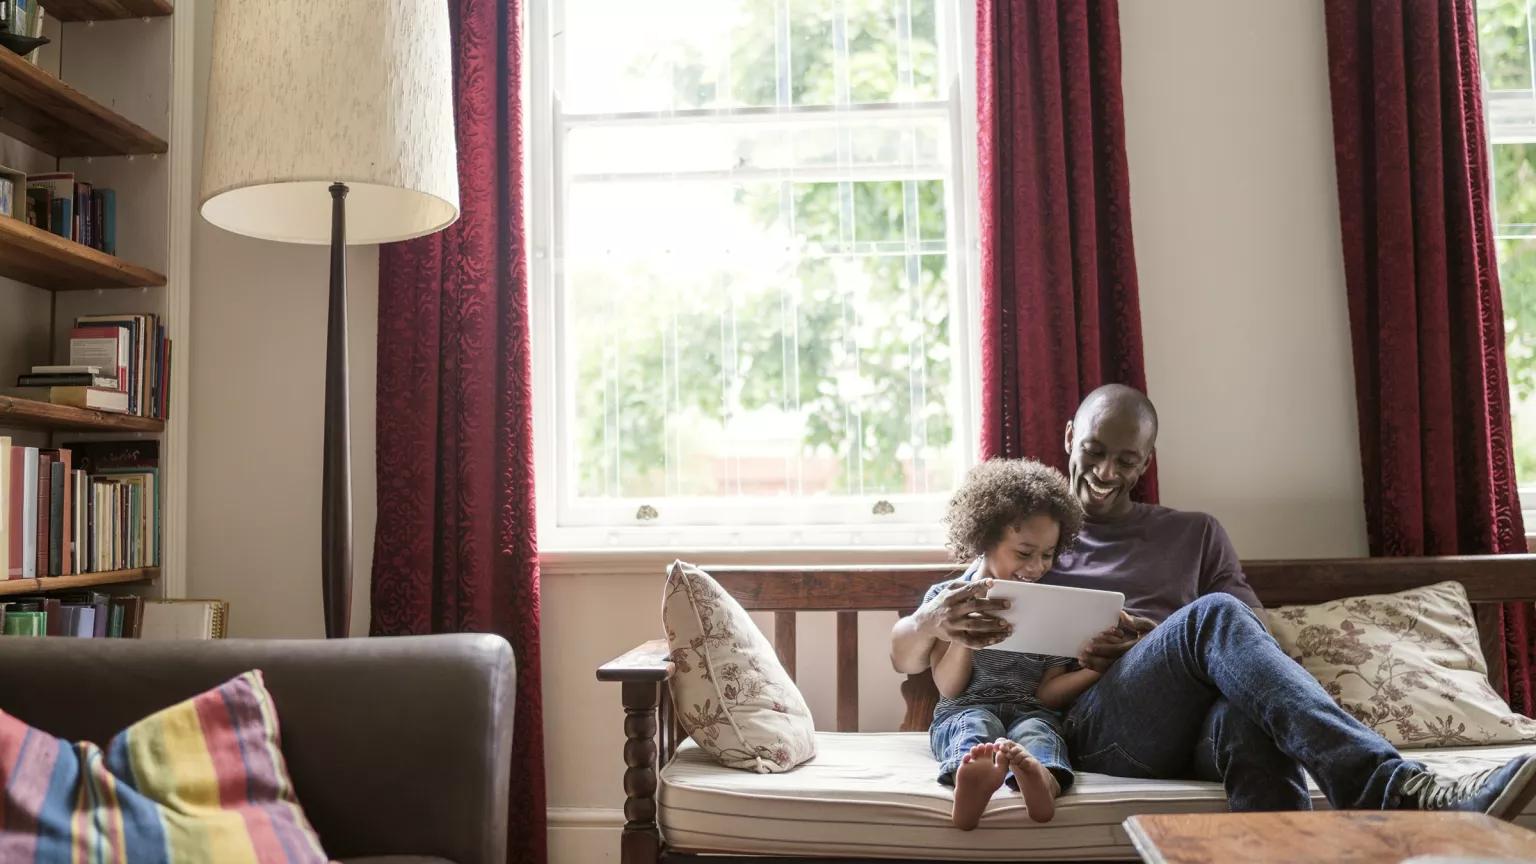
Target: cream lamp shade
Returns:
[306, 93]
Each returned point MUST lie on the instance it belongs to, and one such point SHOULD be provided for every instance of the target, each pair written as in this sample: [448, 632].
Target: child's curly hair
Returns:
[1001, 493]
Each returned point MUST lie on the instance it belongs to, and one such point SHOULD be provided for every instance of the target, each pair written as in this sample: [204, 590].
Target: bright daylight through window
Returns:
[757, 260]
[1509, 89]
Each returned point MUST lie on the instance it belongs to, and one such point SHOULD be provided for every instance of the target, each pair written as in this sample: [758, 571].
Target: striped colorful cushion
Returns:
[203, 780]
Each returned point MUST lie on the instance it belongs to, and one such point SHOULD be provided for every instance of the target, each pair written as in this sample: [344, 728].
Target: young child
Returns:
[998, 720]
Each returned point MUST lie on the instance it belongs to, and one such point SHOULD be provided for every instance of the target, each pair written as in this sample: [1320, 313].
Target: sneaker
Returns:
[1500, 792]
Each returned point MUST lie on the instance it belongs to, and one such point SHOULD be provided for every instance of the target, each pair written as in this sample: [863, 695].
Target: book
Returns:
[45, 459]
[109, 347]
[39, 209]
[66, 511]
[184, 619]
[81, 527]
[98, 398]
[59, 187]
[24, 623]
[65, 380]
[108, 198]
[132, 607]
[115, 621]
[66, 370]
[14, 492]
[5, 507]
[95, 600]
[56, 516]
[28, 502]
[97, 456]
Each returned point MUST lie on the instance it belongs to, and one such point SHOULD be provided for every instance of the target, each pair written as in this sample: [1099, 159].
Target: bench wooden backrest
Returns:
[847, 591]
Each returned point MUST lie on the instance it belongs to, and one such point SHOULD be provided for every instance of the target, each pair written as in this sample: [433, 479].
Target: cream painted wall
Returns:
[1235, 214]
[1246, 344]
[255, 417]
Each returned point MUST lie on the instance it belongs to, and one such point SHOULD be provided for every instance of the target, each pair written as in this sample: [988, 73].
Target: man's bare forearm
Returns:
[911, 646]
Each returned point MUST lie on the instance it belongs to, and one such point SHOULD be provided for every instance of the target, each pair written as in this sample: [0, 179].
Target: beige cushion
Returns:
[731, 693]
[1408, 665]
[876, 795]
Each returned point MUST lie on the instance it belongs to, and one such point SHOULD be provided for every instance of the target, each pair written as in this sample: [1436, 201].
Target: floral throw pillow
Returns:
[1408, 665]
[729, 689]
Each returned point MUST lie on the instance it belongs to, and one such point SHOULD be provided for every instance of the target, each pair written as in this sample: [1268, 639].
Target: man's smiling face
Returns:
[1109, 446]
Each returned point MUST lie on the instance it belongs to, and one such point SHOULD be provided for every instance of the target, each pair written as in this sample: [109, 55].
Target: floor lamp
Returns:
[332, 122]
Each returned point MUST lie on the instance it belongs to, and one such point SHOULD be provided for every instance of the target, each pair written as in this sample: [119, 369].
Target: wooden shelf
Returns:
[16, 413]
[11, 587]
[106, 10]
[52, 116]
[44, 259]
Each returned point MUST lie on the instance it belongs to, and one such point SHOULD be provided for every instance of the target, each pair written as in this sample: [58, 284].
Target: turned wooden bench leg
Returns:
[641, 843]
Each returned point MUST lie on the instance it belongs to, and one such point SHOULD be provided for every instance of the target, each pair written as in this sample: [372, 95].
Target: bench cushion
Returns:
[875, 795]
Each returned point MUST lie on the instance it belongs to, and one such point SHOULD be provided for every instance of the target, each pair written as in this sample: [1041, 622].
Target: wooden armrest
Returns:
[646, 662]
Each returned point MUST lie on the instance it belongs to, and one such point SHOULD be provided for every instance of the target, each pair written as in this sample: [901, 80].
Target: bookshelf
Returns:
[12, 587]
[46, 260]
[106, 10]
[17, 413]
[41, 110]
[109, 100]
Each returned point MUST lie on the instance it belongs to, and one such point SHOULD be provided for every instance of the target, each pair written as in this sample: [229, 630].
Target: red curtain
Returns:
[1060, 314]
[455, 547]
[1424, 306]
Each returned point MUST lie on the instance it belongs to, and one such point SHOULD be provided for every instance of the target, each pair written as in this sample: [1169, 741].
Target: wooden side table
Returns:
[1347, 837]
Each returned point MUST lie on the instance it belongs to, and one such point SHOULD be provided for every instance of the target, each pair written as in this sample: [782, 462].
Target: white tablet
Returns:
[1054, 620]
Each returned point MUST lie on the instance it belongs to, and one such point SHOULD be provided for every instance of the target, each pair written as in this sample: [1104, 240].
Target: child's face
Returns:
[1027, 550]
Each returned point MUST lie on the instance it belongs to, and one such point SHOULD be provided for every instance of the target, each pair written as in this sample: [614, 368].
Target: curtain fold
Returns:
[455, 548]
[1425, 312]
[1060, 310]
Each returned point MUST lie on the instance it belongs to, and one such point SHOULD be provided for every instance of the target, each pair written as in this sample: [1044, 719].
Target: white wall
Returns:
[1235, 213]
[256, 414]
[1247, 352]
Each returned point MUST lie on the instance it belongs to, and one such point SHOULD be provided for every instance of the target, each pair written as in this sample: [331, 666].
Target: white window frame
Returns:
[727, 522]
[1509, 117]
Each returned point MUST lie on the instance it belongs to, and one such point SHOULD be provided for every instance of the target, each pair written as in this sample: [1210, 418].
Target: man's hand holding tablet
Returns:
[963, 614]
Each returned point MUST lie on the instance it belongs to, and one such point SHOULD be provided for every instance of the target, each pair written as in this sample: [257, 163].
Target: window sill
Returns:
[653, 562]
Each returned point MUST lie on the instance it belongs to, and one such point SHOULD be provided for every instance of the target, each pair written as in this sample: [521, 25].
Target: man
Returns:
[1193, 683]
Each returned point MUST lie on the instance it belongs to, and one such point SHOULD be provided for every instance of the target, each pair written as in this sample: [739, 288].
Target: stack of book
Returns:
[119, 363]
[94, 615]
[73, 209]
[81, 386]
[86, 614]
[83, 508]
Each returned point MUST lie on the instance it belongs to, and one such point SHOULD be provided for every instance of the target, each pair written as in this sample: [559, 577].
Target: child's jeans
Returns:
[1038, 731]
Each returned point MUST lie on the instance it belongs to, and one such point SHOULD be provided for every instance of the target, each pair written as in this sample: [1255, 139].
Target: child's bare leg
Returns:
[980, 773]
[1036, 783]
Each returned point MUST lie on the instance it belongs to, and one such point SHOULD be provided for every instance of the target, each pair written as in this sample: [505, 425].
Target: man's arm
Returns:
[948, 617]
[1221, 571]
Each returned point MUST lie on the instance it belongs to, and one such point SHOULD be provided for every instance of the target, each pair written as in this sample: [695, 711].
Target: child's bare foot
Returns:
[981, 772]
[1036, 783]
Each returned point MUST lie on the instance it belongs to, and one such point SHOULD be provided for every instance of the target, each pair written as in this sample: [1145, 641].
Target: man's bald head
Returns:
[1118, 400]
[1109, 446]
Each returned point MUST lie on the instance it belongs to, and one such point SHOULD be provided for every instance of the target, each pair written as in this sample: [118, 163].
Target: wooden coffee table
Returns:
[1349, 837]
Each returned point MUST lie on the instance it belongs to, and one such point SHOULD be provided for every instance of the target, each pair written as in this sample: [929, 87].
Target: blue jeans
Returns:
[1037, 731]
[1209, 694]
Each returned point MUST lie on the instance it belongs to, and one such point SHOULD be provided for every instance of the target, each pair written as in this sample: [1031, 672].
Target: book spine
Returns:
[56, 519]
[44, 512]
[28, 513]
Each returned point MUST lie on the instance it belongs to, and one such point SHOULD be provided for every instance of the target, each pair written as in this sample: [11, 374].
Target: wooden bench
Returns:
[652, 733]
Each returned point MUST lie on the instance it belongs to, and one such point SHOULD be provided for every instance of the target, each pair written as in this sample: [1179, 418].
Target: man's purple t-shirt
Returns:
[1160, 559]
